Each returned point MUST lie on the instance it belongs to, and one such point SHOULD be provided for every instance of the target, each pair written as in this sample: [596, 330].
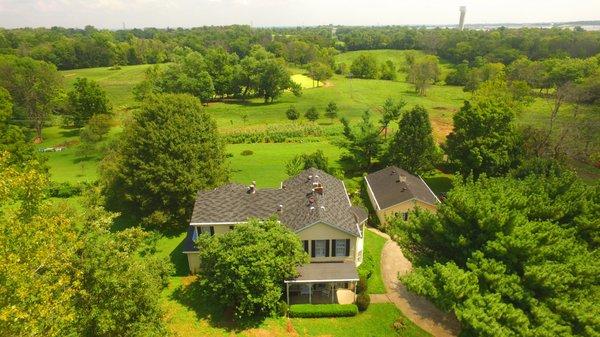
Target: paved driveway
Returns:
[416, 308]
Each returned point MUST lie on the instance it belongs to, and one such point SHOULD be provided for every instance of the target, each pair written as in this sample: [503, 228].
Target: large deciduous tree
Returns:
[319, 72]
[511, 257]
[244, 269]
[364, 66]
[484, 139]
[34, 87]
[167, 153]
[64, 273]
[85, 100]
[422, 72]
[413, 147]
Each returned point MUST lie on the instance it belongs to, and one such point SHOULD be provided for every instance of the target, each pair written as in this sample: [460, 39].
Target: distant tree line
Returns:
[90, 47]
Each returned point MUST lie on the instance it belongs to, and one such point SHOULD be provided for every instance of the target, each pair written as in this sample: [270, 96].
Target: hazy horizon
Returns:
[113, 14]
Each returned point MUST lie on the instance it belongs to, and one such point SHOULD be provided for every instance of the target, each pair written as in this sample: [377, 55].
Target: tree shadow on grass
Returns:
[179, 260]
[208, 309]
[247, 103]
[439, 185]
[70, 132]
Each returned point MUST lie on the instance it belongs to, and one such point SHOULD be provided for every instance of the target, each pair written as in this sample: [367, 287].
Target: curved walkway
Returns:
[418, 309]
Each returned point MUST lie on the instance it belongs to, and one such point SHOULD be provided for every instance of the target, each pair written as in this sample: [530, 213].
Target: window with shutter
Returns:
[320, 248]
[340, 247]
[305, 244]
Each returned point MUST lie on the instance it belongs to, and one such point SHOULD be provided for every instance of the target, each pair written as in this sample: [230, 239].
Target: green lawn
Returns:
[373, 247]
[377, 321]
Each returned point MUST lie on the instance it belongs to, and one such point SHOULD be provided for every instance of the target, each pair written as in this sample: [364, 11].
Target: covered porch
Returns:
[322, 283]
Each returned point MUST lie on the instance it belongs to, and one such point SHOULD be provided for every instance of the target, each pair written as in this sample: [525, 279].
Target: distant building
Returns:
[461, 22]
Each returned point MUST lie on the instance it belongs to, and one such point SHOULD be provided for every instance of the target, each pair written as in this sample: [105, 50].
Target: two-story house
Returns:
[315, 206]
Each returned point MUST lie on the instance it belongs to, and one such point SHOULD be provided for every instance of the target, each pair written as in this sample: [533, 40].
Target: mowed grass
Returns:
[373, 247]
[266, 165]
[377, 321]
[117, 83]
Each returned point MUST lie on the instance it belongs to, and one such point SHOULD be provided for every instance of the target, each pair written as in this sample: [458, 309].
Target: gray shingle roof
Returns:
[389, 190]
[301, 206]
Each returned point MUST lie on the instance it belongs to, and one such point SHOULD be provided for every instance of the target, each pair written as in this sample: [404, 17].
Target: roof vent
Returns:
[310, 177]
[312, 208]
[279, 208]
[323, 207]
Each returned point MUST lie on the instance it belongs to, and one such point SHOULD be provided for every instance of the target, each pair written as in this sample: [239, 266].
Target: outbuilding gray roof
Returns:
[296, 203]
[389, 189]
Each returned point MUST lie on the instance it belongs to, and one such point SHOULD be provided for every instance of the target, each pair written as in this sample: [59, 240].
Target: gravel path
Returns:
[416, 308]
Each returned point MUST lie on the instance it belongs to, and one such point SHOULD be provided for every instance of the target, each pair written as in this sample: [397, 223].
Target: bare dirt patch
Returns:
[441, 129]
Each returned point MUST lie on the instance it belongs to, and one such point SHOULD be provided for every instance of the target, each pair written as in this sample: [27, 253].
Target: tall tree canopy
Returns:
[244, 268]
[413, 147]
[86, 99]
[511, 257]
[34, 87]
[64, 273]
[167, 153]
[484, 139]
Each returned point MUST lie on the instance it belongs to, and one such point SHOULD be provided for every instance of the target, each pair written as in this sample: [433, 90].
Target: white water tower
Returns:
[461, 23]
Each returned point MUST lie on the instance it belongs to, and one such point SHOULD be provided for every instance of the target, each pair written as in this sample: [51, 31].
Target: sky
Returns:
[192, 13]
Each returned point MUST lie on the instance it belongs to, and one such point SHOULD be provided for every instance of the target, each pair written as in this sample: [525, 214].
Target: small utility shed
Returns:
[394, 191]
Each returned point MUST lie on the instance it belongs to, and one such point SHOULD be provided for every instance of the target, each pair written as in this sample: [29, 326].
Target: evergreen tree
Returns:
[331, 111]
[292, 113]
[312, 114]
[413, 147]
[363, 144]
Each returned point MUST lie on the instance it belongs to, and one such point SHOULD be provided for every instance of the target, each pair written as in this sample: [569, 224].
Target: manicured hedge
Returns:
[322, 310]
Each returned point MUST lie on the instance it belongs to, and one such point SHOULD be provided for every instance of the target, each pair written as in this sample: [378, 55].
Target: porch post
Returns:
[354, 291]
[310, 293]
[331, 289]
[287, 288]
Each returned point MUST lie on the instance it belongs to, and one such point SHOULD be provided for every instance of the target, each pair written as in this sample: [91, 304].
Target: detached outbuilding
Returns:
[393, 191]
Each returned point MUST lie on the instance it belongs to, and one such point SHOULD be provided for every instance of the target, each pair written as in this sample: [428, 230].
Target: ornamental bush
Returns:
[363, 301]
[323, 310]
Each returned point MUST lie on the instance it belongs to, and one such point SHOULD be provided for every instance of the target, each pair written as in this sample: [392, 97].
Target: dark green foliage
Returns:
[322, 310]
[70, 48]
[167, 153]
[361, 285]
[331, 111]
[511, 256]
[364, 66]
[391, 112]
[247, 153]
[413, 147]
[484, 139]
[365, 270]
[64, 190]
[85, 100]
[388, 71]
[312, 114]
[363, 144]
[305, 161]
[458, 76]
[362, 301]
[292, 113]
[244, 269]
